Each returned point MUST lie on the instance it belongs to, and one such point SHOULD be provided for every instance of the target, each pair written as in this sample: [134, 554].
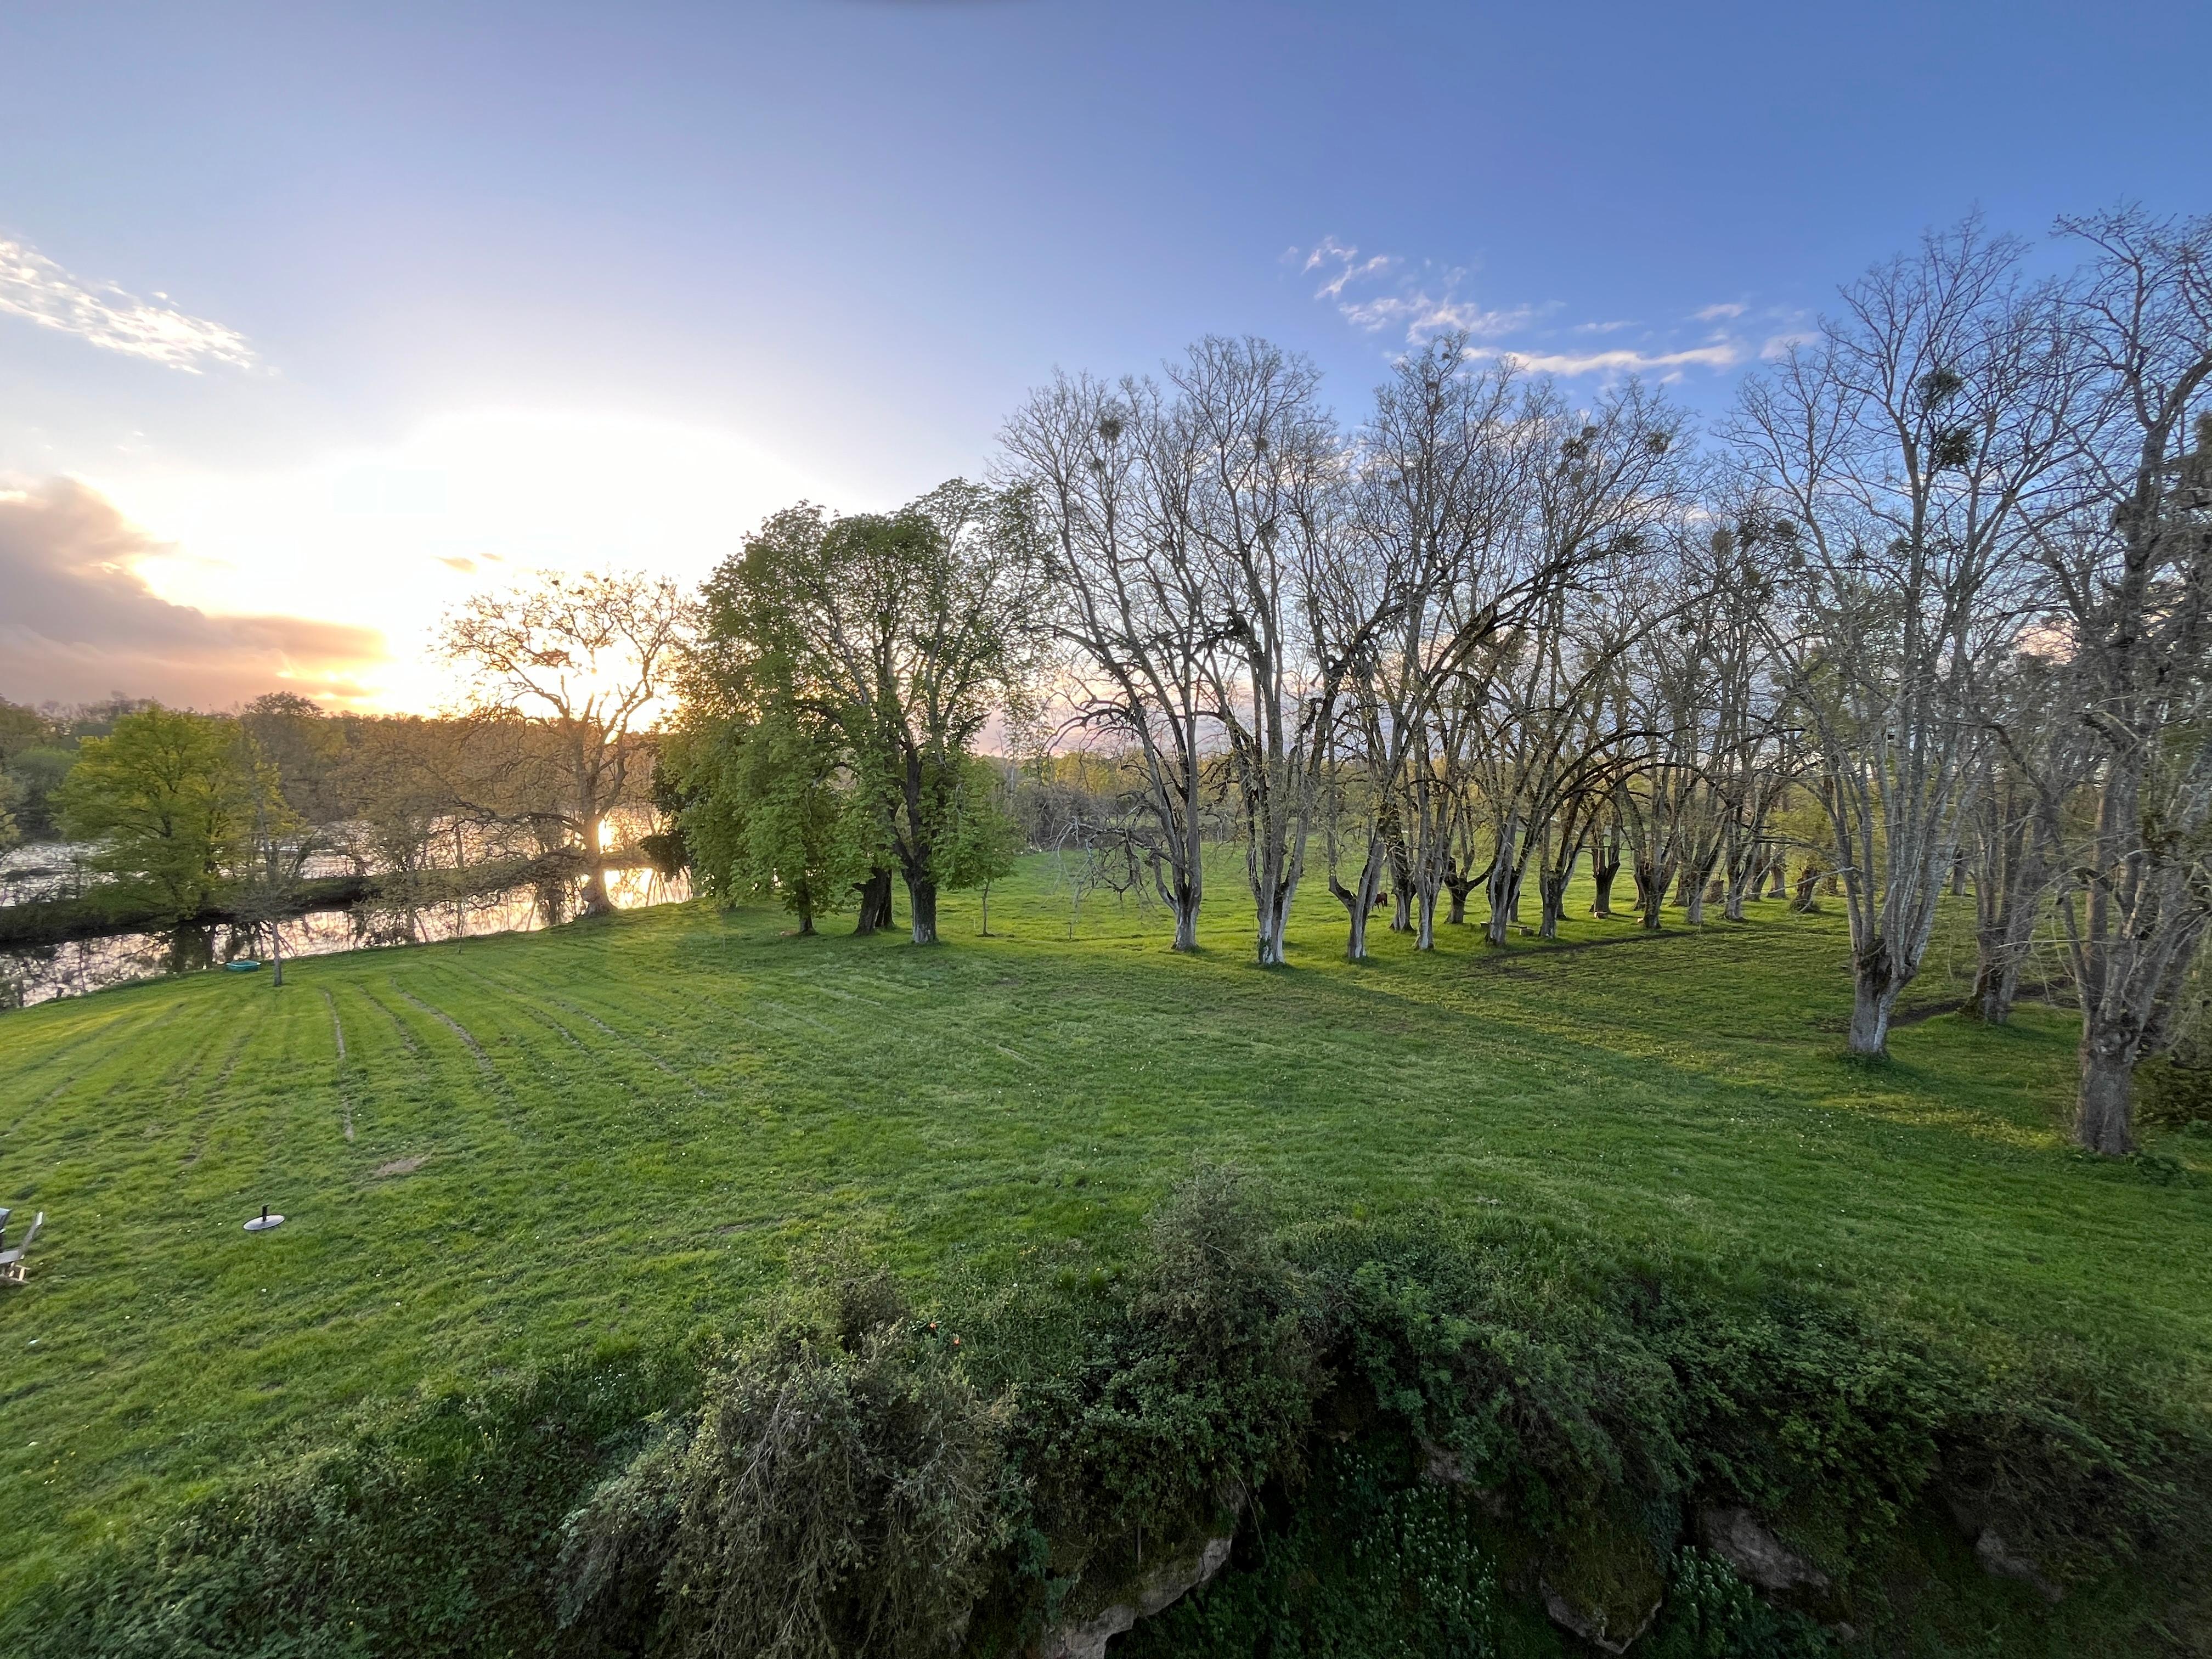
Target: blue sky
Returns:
[331, 313]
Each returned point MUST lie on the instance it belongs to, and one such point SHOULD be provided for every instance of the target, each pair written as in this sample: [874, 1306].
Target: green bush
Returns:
[1713, 1615]
[1409, 1428]
[1370, 1564]
[1191, 1386]
[839, 1490]
[433, 1529]
[2172, 1092]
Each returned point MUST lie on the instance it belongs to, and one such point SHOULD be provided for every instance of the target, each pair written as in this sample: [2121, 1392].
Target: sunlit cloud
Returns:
[1779, 346]
[390, 537]
[1727, 313]
[1600, 328]
[35, 288]
[81, 621]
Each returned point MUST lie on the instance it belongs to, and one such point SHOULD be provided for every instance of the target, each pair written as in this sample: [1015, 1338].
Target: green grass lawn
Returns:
[515, 1146]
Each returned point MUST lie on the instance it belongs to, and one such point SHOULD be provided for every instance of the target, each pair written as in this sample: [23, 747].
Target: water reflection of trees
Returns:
[461, 884]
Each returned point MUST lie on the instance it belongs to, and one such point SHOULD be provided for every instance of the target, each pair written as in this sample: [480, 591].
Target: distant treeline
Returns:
[281, 807]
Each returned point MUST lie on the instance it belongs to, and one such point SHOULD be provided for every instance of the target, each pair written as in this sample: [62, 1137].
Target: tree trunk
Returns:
[875, 902]
[1781, 875]
[1274, 920]
[1358, 901]
[921, 900]
[1996, 982]
[1807, 880]
[594, 902]
[275, 954]
[1503, 892]
[1603, 869]
[1699, 887]
[1551, 886]
[1875, 986]
[1651, 893]
[1402, 871]
[1186, 921]
[2104, 1116]
[1459, 887]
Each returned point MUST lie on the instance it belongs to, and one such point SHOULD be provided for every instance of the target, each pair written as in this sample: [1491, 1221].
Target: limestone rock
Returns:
[1441, 1466]
[1152, 1593]
[1999, 1560]
[1597, 1626]
[1760, 1559]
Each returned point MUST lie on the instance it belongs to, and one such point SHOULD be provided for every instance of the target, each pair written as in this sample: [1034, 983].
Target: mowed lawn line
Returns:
[1878, 1124]
[1668, 1054]
[1958, 1097]
[893, 1066]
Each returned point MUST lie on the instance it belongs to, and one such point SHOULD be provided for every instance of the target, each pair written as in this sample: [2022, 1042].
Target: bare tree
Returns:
[1910, 450]
[2037, 762]
[1265, 502]
[2133, 575]
[1110, 474]
[587, 658]
[1420, 581]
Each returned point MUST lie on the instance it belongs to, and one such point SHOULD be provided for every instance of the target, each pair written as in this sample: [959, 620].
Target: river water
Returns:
[40, 973]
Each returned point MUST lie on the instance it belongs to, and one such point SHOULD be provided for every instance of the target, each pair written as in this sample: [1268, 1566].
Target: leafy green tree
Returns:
[38, 772]
[170, 799]
[305, 746]
[805, 840]
[31, 766]
[272, 852]
[985, 838]
[902, 632]
[766, 814]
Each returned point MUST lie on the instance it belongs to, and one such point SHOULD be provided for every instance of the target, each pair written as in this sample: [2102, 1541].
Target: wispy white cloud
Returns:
[1382, 292]
[1721, 354]
[1421, 308]
[1424, 313]
[1328, 254]
[33, 286]
[1777, 345]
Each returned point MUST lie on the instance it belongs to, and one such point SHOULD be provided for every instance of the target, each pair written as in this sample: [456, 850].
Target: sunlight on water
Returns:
[35, 973]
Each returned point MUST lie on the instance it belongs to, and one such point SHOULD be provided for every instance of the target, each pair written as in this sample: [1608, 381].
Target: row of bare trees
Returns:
[1933, 603]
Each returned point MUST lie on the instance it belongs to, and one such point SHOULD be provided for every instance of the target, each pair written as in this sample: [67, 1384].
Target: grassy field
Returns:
[511, 1147]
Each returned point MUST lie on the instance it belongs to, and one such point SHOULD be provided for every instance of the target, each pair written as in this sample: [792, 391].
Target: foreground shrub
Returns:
[1418, 1435]
[1713, 1615]
[1192, 1387]
[839, 1491]
[1370, 1564]
[433, 1529]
